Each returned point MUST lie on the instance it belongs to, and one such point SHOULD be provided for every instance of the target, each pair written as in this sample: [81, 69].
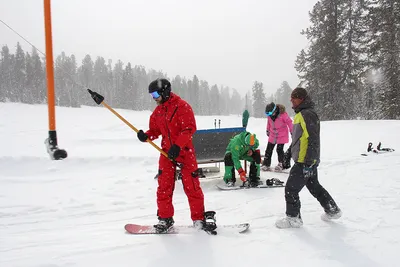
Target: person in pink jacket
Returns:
[278, 127]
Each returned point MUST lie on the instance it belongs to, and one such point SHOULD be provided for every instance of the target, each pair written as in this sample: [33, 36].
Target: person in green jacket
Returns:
[243, 146]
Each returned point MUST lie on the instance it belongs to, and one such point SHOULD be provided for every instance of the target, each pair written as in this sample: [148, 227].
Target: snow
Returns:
[72, 212]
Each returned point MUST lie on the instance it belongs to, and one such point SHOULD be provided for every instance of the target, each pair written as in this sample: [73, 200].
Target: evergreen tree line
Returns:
[259, 99]
[351, 66]
[23, 79]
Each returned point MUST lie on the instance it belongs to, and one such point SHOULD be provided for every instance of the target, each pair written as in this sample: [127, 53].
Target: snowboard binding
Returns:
[164, 225]
[252, 183]
[274, 181]
[209, 224]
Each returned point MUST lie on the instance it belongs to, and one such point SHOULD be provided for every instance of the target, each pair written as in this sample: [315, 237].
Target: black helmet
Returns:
[162, 87]
[270, 109]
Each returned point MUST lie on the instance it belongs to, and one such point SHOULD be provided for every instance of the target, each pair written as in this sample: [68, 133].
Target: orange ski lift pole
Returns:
[99, 99]
[51, 141]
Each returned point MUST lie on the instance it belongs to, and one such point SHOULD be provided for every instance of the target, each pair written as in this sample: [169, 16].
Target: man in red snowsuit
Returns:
[174, 120]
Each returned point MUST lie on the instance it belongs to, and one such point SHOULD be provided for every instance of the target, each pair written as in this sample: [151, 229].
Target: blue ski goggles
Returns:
[155, 95]
[269, 113]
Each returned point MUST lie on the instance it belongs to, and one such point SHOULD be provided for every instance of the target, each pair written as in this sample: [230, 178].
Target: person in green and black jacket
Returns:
[305, 150]
[243, 146]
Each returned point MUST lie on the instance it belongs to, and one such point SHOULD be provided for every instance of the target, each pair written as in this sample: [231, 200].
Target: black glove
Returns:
[308, 170]
[142, 136]
[173, 152]
[267, 133]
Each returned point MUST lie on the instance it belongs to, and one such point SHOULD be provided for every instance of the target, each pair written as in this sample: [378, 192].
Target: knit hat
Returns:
[299, 93]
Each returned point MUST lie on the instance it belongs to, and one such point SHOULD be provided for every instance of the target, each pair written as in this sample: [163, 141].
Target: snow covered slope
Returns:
[72, 212]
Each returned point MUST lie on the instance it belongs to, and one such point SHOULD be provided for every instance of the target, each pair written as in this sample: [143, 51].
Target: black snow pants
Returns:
[296, 182]
[268, 153]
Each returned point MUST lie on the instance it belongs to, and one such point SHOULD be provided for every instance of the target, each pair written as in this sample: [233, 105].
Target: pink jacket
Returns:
[280, 128]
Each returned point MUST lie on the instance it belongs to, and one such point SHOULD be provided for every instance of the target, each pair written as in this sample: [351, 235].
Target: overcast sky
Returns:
[225, 42]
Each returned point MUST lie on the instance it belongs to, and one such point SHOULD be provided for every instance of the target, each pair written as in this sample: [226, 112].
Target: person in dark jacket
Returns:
[305, 150]
[174, 120]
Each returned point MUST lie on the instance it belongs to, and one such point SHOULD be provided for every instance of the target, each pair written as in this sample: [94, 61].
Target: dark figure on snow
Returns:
[243, 146]
[174, 120]
[279, 124]
[379, 149]
[305, 150]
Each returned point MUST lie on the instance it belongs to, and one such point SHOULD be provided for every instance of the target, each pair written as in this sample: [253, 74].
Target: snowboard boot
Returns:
[254, 181]
[164, 224]
[286, 158]
[289, 222]
[231, 182]
[331, 215]
[198, 224]
[265, 168]
[286, 165]
[279, 167]
[208, 224]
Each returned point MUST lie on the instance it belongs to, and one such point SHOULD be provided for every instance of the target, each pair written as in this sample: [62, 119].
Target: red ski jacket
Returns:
[174, 121]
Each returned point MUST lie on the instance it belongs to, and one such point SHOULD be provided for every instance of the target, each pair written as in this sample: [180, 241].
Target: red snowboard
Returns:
[138, 229]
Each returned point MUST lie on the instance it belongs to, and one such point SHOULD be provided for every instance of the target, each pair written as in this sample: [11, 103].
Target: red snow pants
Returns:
[191, 186]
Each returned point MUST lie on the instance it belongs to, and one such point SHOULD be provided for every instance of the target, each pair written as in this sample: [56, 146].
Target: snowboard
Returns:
[211, 177]
[239, 187]
[376, 152]
[285, 171]
[137, 229]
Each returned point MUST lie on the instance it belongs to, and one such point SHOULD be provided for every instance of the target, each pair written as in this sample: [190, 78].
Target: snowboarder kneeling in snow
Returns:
[242, 147]
[174, 120]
